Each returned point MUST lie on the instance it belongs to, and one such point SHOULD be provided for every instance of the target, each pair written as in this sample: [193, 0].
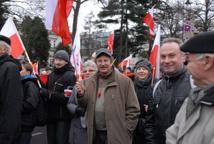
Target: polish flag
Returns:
[9, 30]
[57, 12]
[149, 21]
[155, 56]
[126, 62]
[75, 55]
[110, 42]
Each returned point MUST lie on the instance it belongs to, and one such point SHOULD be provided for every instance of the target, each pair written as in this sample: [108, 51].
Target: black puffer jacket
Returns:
[59, 80]
[11, 95]
[30, 102]
[169, 96]
[145, 127]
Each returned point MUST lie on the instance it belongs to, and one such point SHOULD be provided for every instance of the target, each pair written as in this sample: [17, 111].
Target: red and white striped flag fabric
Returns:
[149, 21]
[126, 62]
[57, 12]
[155, 55]
[9, 30]
[75, 55]
[110, 42]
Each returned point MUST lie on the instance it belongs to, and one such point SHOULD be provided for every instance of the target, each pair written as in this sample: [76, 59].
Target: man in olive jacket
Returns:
[112, 106]
[10, 95]
[194, 123]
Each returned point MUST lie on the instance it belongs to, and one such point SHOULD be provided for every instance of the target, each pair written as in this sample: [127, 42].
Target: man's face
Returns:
[59, 63]
[104, 64]
[194, 66]
[171, 58]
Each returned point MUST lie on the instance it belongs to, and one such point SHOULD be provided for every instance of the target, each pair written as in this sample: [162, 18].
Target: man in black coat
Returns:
[59, 117]
[10, 95]
[172, 90]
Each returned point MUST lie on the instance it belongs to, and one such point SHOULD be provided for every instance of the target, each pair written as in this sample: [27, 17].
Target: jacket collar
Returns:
[208, 98]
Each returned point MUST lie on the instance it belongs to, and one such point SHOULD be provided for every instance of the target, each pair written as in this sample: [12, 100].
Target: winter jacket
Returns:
[11, 95]
[144, 132]
[169, 96]
[194, 123]
[30, 102]
[59, 80]
[121, 108]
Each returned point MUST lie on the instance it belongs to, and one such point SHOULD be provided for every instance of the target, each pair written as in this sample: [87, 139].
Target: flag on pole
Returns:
[9, 30]
[155, 55]
[110, 42]
[149, 21]
[75, 55]
[57, 12]
[126, 62]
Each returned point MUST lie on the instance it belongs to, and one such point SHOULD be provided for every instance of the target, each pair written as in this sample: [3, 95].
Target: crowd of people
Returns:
[110, 107]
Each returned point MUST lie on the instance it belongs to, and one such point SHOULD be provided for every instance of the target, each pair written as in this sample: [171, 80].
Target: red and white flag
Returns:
[9, 30]
[155, 55]
[75, 55]
[110, 42]
[126, 62]
[57, 12]
[149, 21]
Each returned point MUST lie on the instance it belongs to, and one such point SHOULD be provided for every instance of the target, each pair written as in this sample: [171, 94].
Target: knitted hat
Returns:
[62, 54]
[143, 63]
[5, 39]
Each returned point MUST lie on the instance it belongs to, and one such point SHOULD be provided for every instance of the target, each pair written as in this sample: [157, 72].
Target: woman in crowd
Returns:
[30, 102]
[78, 126]
[143, 133]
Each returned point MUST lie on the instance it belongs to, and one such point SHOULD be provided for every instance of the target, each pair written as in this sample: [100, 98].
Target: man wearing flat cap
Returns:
[10, 95]
[61, 79]
[112, 106]
[194, 123]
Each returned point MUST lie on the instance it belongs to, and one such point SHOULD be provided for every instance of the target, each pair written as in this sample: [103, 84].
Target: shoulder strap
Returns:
[155, 87]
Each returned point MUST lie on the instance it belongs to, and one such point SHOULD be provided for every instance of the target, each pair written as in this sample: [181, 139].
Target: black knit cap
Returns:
[201, 43]
[102, 51]
[5, 39]
[62, 54]
[143, 63]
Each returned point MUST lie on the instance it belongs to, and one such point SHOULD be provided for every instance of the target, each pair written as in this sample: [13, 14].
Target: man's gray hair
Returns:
[172, 39]
[202, 55]
[90, 63]
[6, 47]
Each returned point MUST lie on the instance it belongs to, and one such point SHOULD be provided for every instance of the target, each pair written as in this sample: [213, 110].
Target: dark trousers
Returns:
[101, 137]
[25, 138]
[58, 132]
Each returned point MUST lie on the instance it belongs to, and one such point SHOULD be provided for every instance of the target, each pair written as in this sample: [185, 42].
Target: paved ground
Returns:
[39, 136]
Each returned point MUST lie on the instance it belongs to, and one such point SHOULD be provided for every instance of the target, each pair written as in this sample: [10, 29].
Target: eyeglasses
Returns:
[90, 70]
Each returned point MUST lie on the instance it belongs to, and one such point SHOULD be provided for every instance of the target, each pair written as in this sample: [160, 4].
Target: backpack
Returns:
[40, 115]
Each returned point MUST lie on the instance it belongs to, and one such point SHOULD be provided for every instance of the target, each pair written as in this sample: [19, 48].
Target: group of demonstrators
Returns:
[107, 107]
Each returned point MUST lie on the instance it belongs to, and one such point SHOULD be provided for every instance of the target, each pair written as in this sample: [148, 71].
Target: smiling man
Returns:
[112, 105]
[172, 89]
